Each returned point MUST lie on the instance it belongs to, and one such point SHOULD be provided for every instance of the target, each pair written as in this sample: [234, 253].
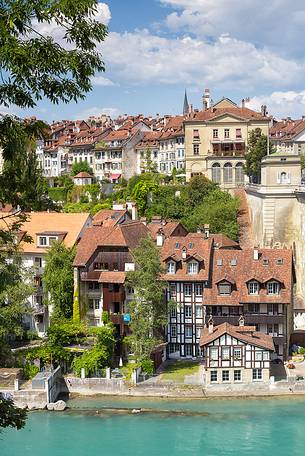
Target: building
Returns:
[44, 228]
[83, 178]
[210, 275]
[288, 136]
[235, 354]
[103, 258]
[172, 151]
[216, 140]
[148, 151]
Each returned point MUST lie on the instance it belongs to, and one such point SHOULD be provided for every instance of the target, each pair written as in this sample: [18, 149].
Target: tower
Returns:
[185, 104]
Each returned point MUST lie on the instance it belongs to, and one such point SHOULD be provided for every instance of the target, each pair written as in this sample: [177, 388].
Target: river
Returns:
[206, 427]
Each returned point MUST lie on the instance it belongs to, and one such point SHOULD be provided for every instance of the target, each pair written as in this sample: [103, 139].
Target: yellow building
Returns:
[216, 141]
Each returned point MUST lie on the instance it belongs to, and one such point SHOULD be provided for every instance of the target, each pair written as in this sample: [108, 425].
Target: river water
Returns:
[207, 427]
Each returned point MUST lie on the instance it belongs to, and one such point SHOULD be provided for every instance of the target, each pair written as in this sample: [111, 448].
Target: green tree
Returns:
[257, 149]
[35, 65]
[198, 188]
[142, 194]
[149, 165]
[11, 416]
[80, 168]
[148, 311]
[58, 279]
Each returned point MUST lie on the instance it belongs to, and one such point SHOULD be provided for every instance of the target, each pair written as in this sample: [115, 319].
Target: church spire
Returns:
[185, 104]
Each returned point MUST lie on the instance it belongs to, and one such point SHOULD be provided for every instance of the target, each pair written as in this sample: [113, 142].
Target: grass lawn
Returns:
[177, 371]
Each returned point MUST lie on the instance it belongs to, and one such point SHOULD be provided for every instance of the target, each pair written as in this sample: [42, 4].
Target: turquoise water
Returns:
[217, 427]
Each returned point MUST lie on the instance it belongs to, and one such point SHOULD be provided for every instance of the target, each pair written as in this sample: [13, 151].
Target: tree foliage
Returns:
[257, 149]
[11, 416]
[58, 279]
[148, 311]
[34, 65]
[81, 167]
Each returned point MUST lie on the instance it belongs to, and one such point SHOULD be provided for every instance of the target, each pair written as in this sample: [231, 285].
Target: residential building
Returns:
[210, 275]
[172, 151]
[216, 140]
[104, 256]
[148, 150]
[288, 136]
[83, 178]
[44, 228]
[235, 354]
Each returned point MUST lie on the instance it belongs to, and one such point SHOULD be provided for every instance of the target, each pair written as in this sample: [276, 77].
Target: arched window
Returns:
[239, 173]
[283, 178]
[227, 173]
[216, 173]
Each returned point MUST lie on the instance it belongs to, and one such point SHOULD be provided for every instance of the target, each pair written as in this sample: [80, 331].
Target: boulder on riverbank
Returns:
[58, 406]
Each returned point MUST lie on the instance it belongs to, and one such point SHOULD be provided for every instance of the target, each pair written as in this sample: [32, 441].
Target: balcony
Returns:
[228, 149]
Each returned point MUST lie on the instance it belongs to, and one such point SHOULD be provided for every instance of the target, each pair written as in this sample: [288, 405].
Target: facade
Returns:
[288, 136]
[216, 140]
[148, 149]
[44, 228]
[83, 178]
[235, 354]
[211, 276]
[172, 150]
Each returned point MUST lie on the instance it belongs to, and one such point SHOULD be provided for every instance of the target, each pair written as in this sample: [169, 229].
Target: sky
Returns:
[156, 49]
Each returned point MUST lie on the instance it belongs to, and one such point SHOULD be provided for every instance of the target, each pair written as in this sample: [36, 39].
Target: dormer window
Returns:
[253, 287]
[224, 289]
[171, 267]
[192, 267]
[42, 241]
[273, 288]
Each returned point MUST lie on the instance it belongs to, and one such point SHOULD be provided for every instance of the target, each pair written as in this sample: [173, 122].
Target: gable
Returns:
[300, 137]
[225, 103]
[227, 118]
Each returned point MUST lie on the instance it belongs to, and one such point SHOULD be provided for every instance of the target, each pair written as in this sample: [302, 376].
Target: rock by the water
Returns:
[60, 406]
[136, 411]
[50, 406]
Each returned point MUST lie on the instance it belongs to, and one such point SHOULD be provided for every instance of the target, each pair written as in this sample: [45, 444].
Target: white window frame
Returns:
[257, 375]
[213, 352]
[225, 357]
[173, 331]
[273, 288]
[253, 287]
[171, 267]
[237, 371]
[198, 289]
[226, 284]
[237, 357]
[187, 288]
[188, 311]
[198, 311]
[226, 371]
[188, 332]
[213, 376]
[192, 267]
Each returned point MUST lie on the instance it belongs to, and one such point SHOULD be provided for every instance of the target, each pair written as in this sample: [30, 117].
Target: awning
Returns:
[115, 176]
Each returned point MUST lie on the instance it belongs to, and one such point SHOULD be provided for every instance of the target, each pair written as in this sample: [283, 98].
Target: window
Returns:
[97, 266]
[238, 133]
[213, 376]
[258, 356]
[96, 304]
[216, 173]
[188, 350]
[215, 133]
[225, 353]
[237, 376]
[273, 309]
[224, 288]
[273, 288]
[91, 305]
[227, 173]
[257, 374]
[171, 267]
[237, 353]
[172, 290]
[253, 308]
[198, 289]
[52, 239]
[173, 348]
[275, 329]
[188, 311]
[196, 149]
[38, 262]
[173, 312]
[115, 266]
[227, 133]
[253, 288]
[188, 289]
[214, 354]
[192, 267]
[225, 376]
[239, 173]
[188, 332]
[196, 134]
[198, 332]
[177, 245]
[219, 262]
[279, 261]
[198, 311]
[174, 331]
[266, 356]
[42, 240]
[269, 329]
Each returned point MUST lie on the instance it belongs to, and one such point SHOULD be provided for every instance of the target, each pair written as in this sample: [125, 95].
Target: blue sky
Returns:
[157, 48]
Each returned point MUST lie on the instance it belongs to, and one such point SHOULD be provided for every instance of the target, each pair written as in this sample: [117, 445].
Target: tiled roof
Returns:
[213, 113]
[82, 174]
[246, 334]
[109, 217]
[168, 227]
[117, 135]
[112, 277]
[241, 267]
[287, 129]
[124, 235]
[52, 222]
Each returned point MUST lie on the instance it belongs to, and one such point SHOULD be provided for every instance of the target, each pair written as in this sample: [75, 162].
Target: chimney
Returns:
[206, 99]
[206, 229]
[211, 325]
[131, 206]
[243, 103]
[255, 253]
[241, 321]
[264, 110]
[160, 238]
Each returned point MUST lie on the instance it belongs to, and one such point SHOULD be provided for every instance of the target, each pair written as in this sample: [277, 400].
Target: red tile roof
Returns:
[83, 174]
[213, 113]
[287, 129]
[112, 277]
[246, 334]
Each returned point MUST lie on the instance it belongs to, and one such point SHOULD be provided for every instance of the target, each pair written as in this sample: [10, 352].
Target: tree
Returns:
[148, 311]
[199, 187]
[11, 416]
[142, 192]
[257, 149]
[149, 165]
[35, 65]
[58, 279]
[80, 168]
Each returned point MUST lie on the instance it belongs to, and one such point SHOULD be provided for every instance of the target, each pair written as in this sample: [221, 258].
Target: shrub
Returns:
[30, 370]
[147, 366]
[90, 360]
[301, 351]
